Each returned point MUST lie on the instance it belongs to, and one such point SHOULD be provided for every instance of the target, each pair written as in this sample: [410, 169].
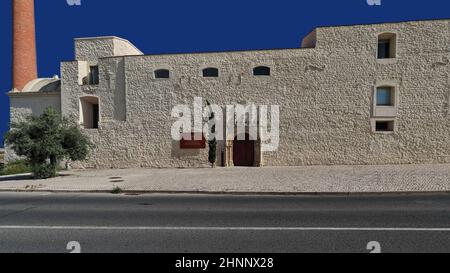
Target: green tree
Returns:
[46, 140]
[212, 143]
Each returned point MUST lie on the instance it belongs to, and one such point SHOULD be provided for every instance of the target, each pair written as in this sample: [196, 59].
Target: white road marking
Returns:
[222, 228]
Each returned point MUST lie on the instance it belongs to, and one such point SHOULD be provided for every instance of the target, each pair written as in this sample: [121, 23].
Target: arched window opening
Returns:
[261, 71]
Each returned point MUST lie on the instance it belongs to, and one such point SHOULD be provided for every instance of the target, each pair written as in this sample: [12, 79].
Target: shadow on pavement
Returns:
[22, 177]
[17, 177]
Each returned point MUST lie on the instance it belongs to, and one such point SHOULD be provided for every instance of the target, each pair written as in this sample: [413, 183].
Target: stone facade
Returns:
[326, 91]
[2, 156]
[28, 104]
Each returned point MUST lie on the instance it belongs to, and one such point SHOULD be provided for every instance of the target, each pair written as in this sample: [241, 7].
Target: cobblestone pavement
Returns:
[316, 179]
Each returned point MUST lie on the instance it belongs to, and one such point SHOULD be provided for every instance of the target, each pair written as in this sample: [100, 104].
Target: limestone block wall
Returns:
[2, 156]
[26, 104]
[325, 95]
[91, 49]
[123, 47]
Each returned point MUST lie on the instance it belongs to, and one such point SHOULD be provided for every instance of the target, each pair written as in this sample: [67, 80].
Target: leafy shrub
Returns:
[117, 190]
[46, 140]
[42, 171]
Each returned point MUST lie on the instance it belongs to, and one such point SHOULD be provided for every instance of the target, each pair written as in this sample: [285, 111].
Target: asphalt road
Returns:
[44, 222]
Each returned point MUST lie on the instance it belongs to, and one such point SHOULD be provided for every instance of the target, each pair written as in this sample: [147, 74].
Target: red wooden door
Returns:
[244, 152]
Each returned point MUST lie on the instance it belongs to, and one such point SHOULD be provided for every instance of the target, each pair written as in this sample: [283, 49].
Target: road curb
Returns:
[142, 192]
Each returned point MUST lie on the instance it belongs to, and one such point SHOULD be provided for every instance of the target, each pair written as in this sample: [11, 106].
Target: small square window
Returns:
[261, 71]
[162, 74]
[384, 126]
[385, 96]
[211, 72]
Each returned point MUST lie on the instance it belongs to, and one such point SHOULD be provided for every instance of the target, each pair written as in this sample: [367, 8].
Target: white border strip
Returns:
[221, 228]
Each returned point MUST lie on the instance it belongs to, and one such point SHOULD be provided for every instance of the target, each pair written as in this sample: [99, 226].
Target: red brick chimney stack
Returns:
[24, 43]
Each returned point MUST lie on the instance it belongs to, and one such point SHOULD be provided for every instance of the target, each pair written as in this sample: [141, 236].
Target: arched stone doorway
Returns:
[244, 152]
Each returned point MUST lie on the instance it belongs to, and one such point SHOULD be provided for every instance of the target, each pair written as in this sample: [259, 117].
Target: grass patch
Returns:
[116, 190]
[15, 167]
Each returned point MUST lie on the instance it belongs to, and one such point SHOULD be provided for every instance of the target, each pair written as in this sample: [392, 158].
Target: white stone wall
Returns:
[124, 48]
[2, 156]
[26, 104]
[325, 94]
[91, 49]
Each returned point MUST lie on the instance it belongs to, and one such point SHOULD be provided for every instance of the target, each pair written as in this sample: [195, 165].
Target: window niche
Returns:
[261, 71]
[387, 46]
[94, 77]
[384, 126]
[385, 96]
[385, 101]
[210, 72]
[162, 74]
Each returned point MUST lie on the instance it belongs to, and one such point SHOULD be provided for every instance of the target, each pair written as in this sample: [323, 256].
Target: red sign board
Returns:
[192, 143]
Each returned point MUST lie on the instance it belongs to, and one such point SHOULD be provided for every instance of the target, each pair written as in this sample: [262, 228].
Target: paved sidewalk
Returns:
[317, 179]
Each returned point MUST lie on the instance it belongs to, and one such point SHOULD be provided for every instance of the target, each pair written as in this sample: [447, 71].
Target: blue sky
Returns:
[168, 26]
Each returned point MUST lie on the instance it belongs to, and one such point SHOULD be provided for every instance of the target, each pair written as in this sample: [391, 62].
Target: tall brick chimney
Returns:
[24, 43]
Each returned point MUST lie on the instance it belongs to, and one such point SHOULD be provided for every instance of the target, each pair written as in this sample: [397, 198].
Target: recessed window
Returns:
[385, 96]
[210, 72]
[89, 112]
[261, 71]
[387, 46]
[384, 49]
[93, 75]
[162, 74]
[384, 126]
